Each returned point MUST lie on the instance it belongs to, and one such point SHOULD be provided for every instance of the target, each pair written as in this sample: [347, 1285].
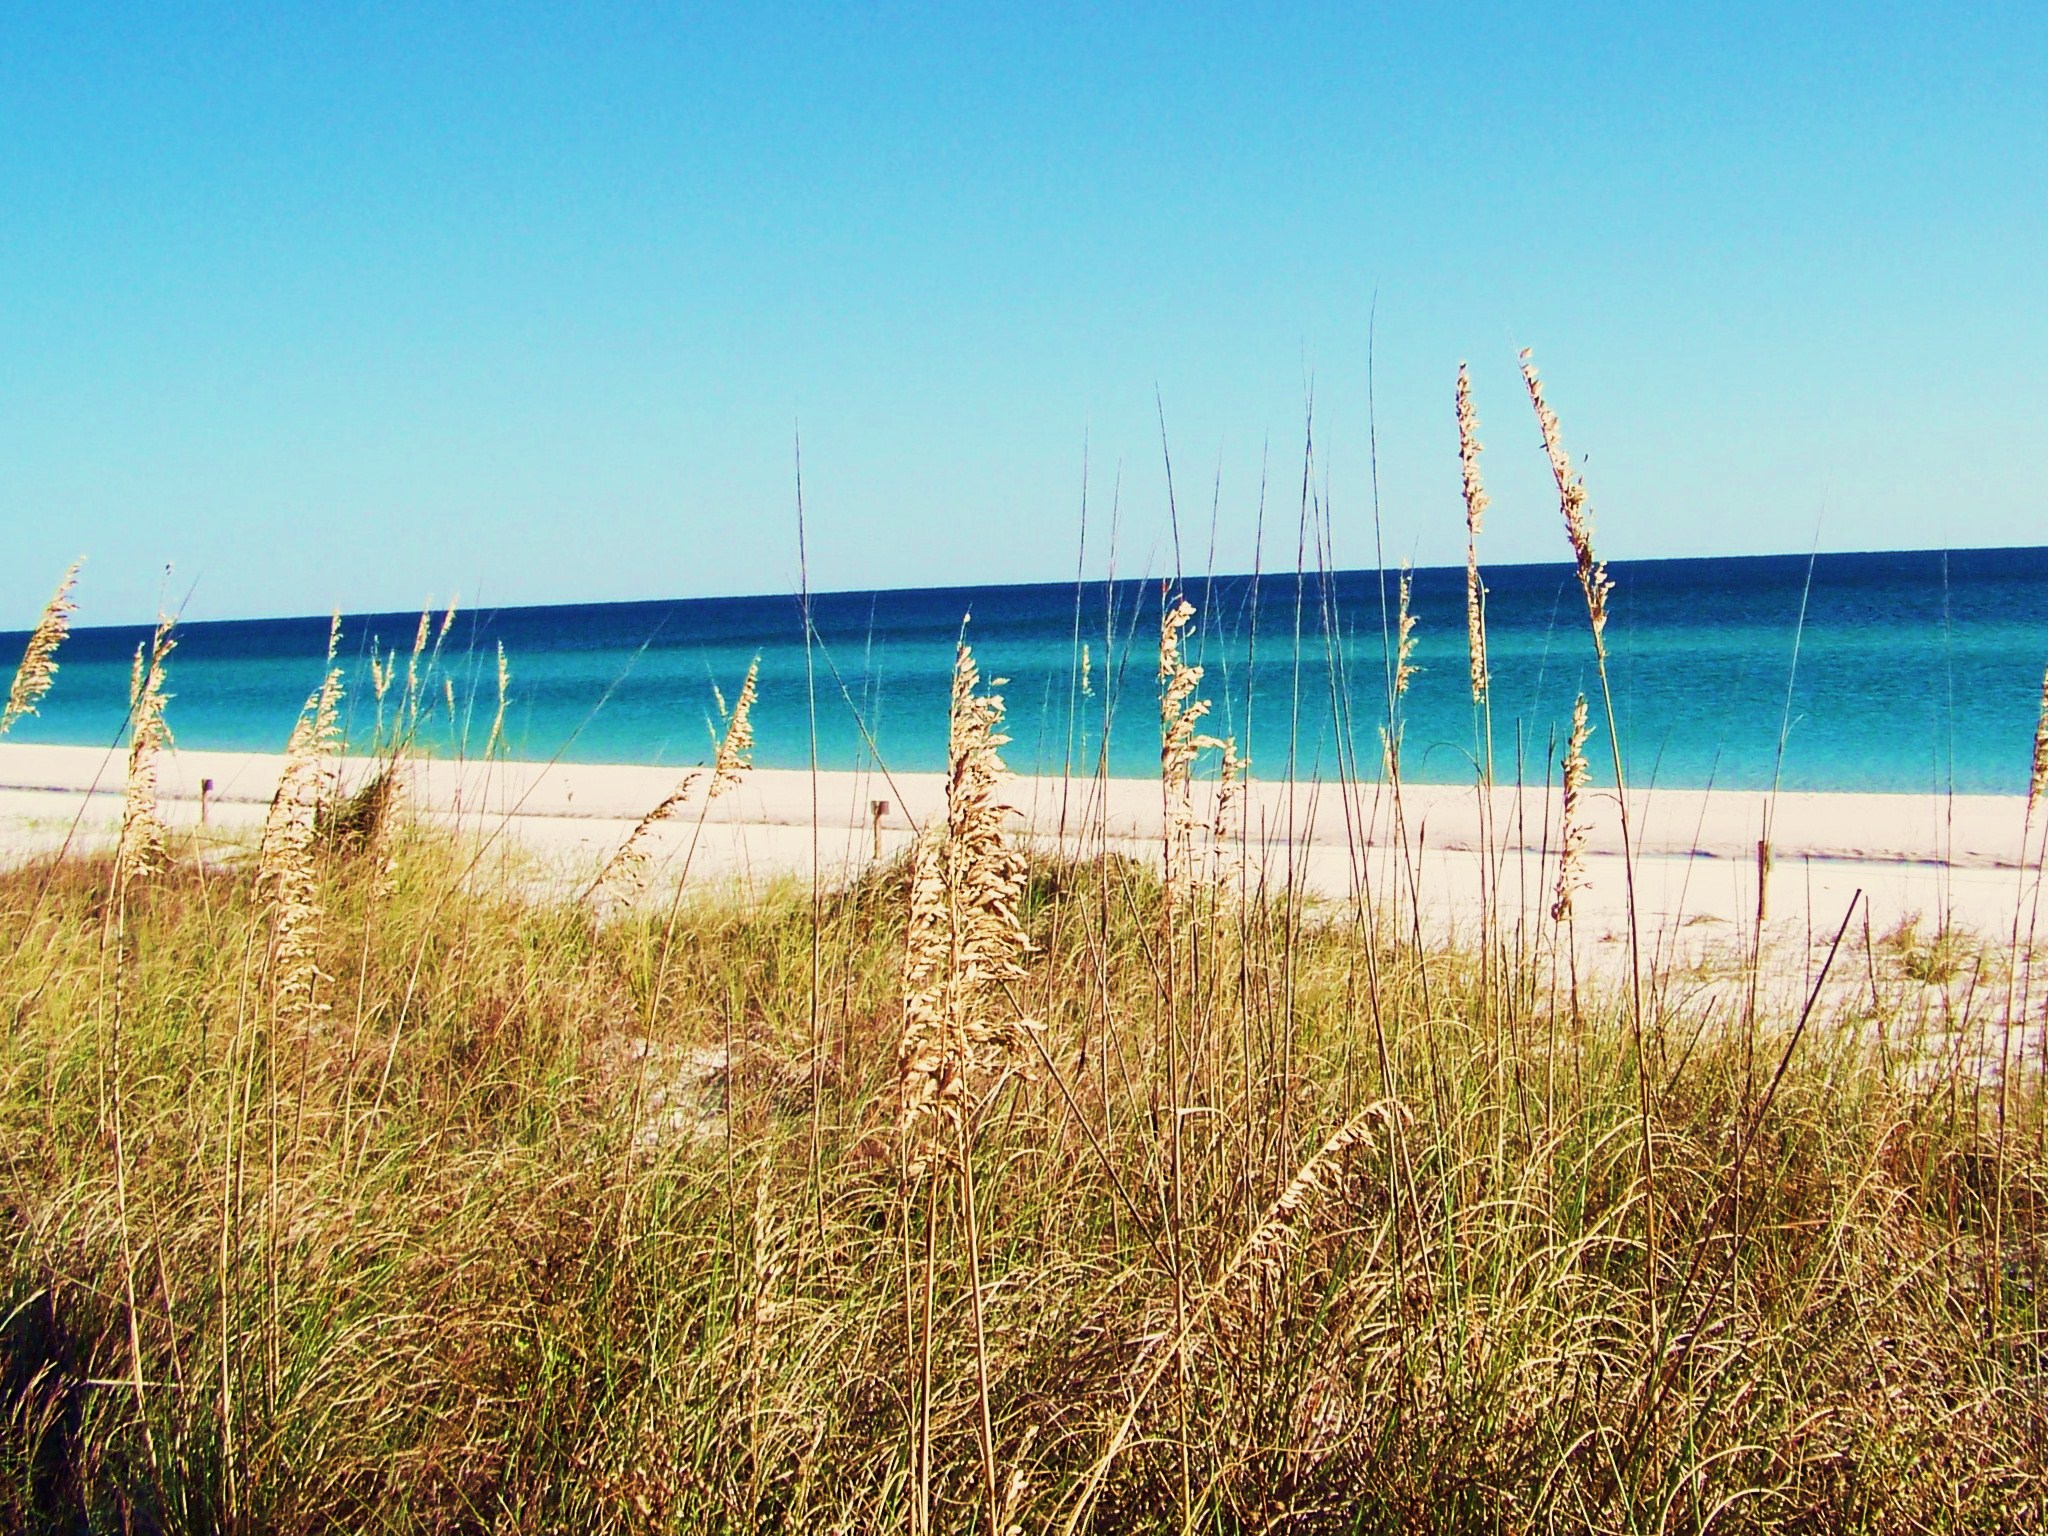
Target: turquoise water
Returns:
[1915, 671]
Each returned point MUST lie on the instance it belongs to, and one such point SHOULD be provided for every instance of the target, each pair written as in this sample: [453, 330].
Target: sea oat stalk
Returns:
[625, 872]
[964, 950]
[143, 837]
[1476, 501]
[1595, 584]
[38, 667]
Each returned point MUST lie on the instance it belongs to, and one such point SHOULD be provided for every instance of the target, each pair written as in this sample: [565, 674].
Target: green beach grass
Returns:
[548, 1223]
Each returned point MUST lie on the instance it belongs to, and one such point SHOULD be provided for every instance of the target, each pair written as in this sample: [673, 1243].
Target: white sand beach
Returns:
[1951, 861]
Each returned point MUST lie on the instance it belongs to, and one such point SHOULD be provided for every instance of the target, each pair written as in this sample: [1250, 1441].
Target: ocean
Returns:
[1916, 671]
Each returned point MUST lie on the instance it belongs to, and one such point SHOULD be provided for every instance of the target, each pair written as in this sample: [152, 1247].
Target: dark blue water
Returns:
[1915, 671]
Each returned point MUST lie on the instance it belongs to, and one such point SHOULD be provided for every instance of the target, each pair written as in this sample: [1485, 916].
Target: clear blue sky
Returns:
[358, 303]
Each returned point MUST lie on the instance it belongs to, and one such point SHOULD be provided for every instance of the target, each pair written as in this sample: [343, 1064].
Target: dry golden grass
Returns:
[468, 1292]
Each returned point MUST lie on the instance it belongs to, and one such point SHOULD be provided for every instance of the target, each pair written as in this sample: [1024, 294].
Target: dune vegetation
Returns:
[363, 1177]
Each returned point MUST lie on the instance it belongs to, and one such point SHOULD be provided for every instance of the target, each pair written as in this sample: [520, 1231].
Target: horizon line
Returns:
[793, 595]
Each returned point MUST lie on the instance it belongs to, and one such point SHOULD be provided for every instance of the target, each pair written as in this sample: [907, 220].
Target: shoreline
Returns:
[1951, 861]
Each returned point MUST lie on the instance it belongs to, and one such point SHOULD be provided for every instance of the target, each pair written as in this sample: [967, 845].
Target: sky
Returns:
[360, 305]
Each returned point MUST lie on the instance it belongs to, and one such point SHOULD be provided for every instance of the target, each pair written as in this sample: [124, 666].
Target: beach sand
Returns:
[1950, 861]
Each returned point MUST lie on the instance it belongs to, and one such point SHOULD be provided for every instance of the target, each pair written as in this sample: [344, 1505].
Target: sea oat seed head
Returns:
[1571, 500]
[143, 838]
[965, 942]
[284, 860]
[1229, 787]
[1179, 713]
[412, 665]
[1469, 448]
[2039, 780]
[736, 748]
[1475, 509]
[496, 738]
[1571, 875]
[38, 661]
[1404, 638]
[624, 873]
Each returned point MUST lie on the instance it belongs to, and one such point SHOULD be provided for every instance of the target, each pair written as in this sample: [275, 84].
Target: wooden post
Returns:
[880, 808]
[205, 789]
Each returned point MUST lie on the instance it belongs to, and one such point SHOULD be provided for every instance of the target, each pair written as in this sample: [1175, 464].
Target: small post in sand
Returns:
[879, 809]
[205, 789]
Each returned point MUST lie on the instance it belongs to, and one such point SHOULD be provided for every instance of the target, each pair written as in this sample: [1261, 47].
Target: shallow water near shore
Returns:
[1915, 672]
